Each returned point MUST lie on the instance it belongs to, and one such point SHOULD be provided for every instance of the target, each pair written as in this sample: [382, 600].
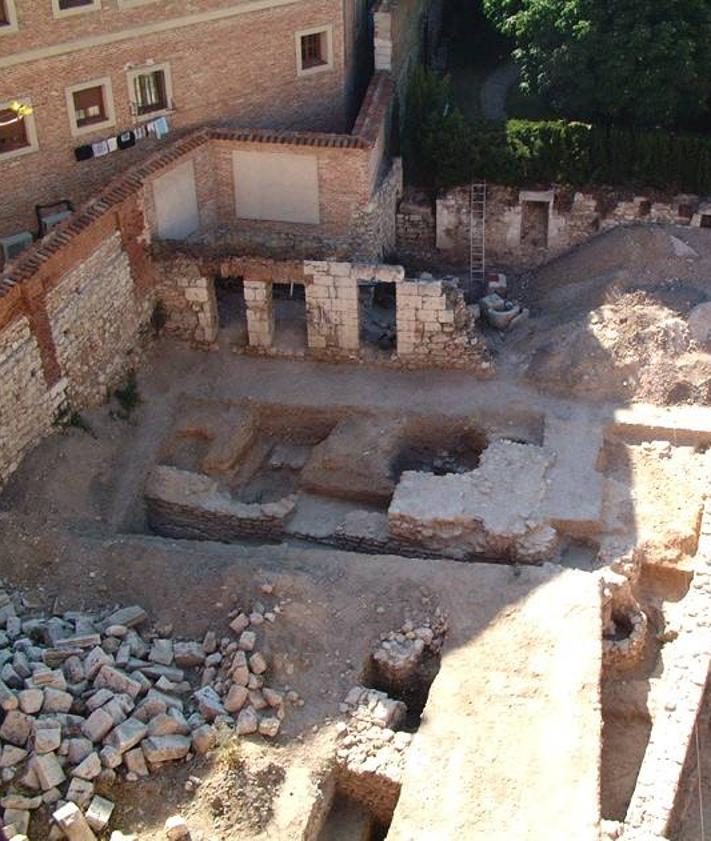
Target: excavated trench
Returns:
[628, 691]
[412, 688]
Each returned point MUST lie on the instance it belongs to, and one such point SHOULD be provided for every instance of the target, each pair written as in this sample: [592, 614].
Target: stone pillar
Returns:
[346, 303]
[260, 313]
[200, 294]
[406, 303]
[332, 317]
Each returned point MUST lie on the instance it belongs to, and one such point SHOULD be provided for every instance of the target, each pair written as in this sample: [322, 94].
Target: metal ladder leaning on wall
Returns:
[477, 235]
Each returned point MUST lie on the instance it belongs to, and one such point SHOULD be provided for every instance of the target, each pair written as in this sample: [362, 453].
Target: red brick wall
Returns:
[241, 71]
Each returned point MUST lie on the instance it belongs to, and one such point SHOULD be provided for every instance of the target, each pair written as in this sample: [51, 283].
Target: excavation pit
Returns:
[361, 807]
[406, 676]
[440, 449]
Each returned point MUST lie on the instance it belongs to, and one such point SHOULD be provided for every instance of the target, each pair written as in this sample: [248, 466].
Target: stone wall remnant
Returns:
[494, 510]
[526, 228]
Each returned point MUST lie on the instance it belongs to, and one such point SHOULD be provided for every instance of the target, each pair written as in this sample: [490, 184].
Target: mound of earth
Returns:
[634, 348]
[625, 317]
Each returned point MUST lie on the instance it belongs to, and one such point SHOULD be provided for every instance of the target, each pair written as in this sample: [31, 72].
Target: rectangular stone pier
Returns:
[509, 744]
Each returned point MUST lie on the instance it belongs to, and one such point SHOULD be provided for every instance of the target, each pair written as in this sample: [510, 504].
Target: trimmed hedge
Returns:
[528, 152]
[442, 149]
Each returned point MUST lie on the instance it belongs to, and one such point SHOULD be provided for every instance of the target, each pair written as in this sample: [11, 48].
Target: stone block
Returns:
[48, 771]
[127, 735]
[16, 728]
[236, 698]
[209, 703]
[136, 762]
[89, 769]
[99, 813]
[247, 722]
[73, 824]
[80, 792]
[56, 701]
[165, 748]
[204, 738]
[98, 725]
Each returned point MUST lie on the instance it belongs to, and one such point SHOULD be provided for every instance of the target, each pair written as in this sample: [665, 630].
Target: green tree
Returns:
[639, 62]
[438, 148]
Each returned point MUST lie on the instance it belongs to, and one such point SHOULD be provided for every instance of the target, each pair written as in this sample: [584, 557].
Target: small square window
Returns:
[313, 50]
[8, 17]
[63, 8]
[17, 133]
[90, 106]
[13, 132]
[149, 90]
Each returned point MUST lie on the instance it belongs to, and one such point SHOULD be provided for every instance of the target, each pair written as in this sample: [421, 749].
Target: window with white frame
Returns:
[90, 106]
[18, 135]
[150, 90]
[61, 8]
[8, 17]
[314, 50]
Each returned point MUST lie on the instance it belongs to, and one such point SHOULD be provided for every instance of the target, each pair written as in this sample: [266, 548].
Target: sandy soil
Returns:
[610, 319]
[609, 326]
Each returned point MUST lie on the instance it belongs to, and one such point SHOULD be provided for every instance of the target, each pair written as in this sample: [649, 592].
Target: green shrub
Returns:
[128, 396]
[68, 418]
[442, 149]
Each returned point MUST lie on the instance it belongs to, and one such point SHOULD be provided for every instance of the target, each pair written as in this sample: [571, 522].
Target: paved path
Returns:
[495, 89]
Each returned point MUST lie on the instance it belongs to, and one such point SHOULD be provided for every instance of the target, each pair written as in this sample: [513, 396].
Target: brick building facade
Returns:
[93, 70]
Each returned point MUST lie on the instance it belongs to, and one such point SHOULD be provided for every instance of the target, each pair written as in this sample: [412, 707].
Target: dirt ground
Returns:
[610, 319]
[609, 326]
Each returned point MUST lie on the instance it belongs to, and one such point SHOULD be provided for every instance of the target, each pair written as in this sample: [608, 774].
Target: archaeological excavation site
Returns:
[332, 509]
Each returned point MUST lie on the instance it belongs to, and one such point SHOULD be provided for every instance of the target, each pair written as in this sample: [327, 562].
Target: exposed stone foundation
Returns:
[525, 228]
[192, 506]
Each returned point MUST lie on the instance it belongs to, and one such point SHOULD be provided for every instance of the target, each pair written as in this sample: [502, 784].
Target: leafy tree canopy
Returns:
[641, 62]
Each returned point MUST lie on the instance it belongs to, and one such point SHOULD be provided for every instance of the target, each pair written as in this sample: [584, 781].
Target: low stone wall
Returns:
[436, 328]
[73, 320]
[494, 511]
[373, 233]
[416, 231]
[191, 506]
[332, 305]
[525, 228]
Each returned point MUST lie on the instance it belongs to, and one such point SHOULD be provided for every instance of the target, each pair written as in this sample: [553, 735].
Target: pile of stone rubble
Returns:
[88, 696]
[371, 739]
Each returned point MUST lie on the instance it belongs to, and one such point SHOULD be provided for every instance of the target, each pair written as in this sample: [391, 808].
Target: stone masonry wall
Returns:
[415, 232]
[670, 763]
[96, 321]
[260, 313]
[572, 217]
[187, 297]
[27, 406]
[373, 234]
[436, 328]
[332, 304]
